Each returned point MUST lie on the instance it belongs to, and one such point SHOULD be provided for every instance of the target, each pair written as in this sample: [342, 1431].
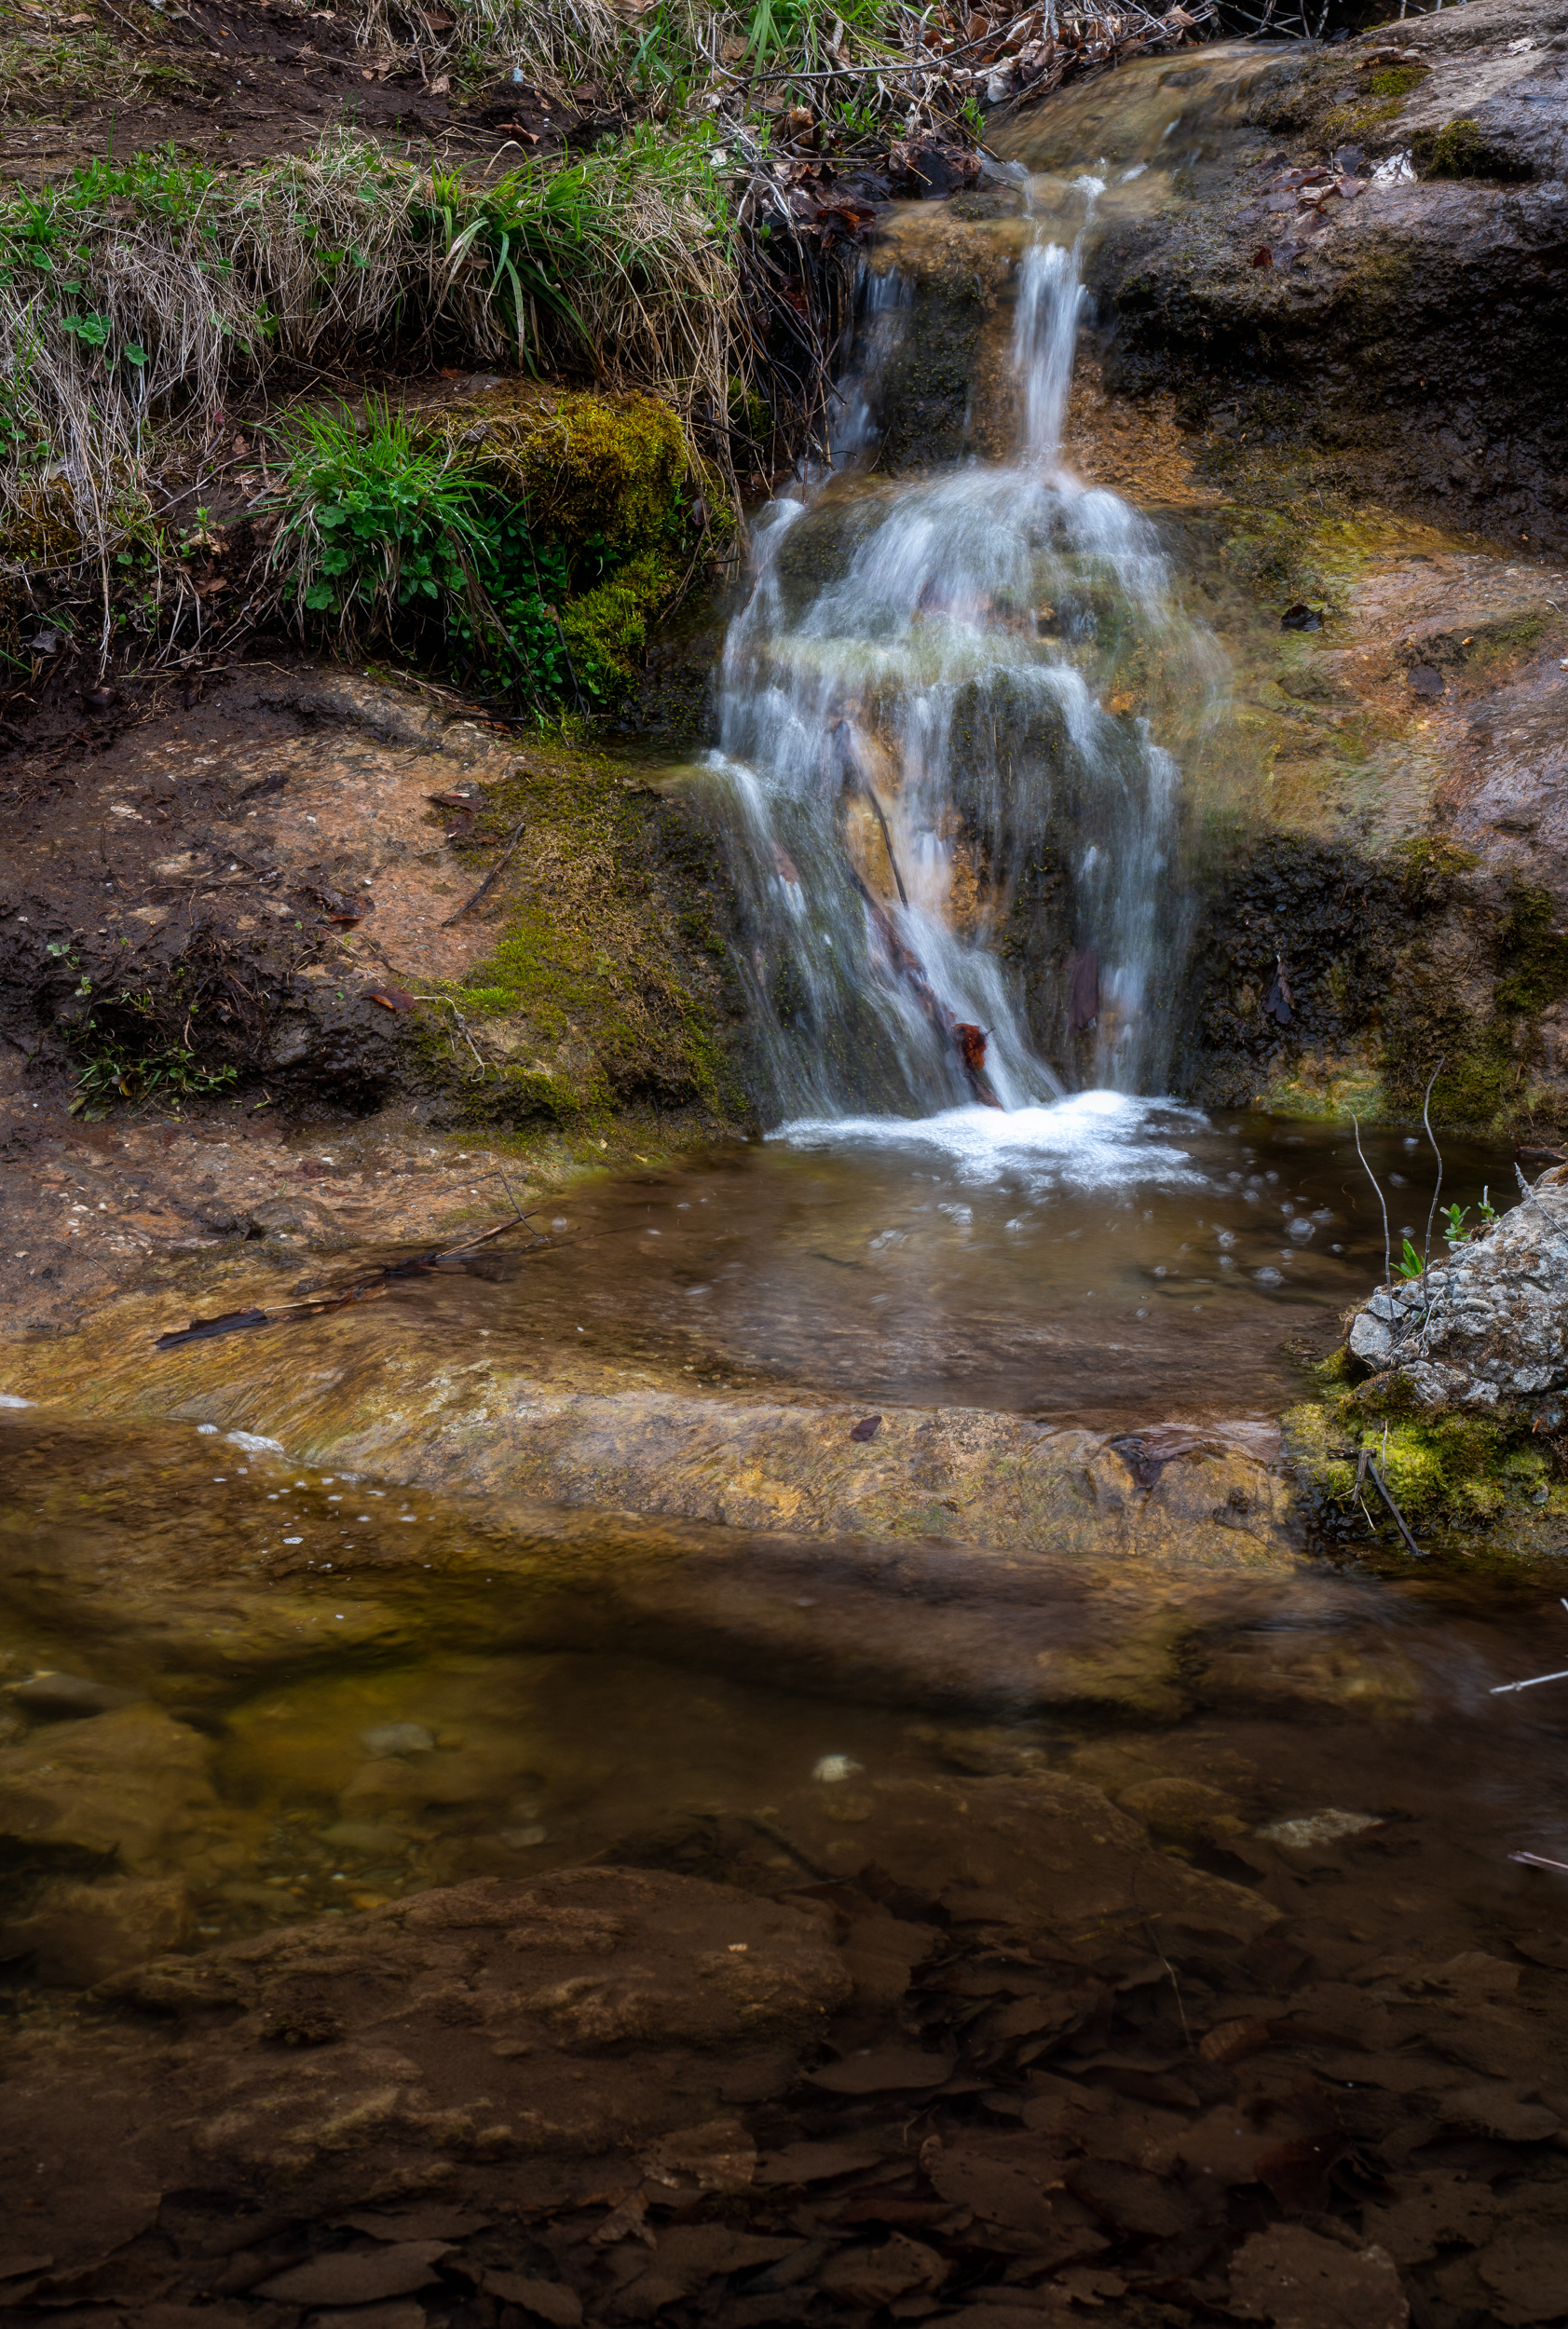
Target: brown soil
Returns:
[244, 84]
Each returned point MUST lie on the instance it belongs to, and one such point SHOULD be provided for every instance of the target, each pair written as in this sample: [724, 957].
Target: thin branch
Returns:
[1388, 1246]
[1381, 1486]
[489, 881]
[1426, 1120]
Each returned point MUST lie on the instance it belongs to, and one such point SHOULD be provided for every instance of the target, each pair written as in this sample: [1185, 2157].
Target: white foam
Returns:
[1091, 1140]
[8, 1398]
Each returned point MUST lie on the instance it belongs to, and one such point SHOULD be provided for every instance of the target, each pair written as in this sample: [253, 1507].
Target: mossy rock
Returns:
[580, 462]
[1440, 1469]
[1462, 149]
[604, 987]
[606, 630]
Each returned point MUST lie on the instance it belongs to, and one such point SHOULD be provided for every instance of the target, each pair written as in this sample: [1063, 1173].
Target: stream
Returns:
[930, 1436]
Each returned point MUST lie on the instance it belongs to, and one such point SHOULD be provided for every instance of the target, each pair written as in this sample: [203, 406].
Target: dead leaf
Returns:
[718, 2157]
[1233, 2041]
[815, 2162]
[882, 2071]
[551, 2300]
[358, 2277]
[391, 997]
[625, 2222]
[1298, 2280]
[877, 2276]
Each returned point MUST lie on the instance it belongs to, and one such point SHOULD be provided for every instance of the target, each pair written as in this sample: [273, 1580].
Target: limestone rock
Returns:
[1491, 1324]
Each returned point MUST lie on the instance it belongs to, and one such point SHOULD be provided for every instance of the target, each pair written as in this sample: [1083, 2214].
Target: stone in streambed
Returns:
[494, 2025]
[1046, 1857]
[54, 1698]
[80, 1934]
[397, 1738]
[130, 1785]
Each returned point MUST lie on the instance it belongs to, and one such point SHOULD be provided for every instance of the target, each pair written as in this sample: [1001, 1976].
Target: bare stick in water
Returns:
[1388, 1247]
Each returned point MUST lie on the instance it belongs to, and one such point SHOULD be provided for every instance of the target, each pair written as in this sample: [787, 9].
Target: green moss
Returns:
[1535, 951]
[1441, 1470]
[1429, 859]
[1455, 152]
[581, 463]
[612, 494]
[589, 1000]
[1346, 123]
[606, 630]
[1395, 80]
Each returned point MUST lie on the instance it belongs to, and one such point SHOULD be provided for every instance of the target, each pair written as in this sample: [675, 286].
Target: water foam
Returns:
[1092, 1140]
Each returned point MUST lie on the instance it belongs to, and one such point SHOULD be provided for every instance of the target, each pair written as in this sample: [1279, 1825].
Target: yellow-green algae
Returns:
[1441, 1469]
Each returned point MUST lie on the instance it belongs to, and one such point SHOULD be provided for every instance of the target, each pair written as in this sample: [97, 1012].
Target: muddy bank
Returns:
[321, 892]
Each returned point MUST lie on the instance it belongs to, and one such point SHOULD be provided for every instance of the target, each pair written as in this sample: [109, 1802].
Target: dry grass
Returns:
[131, 300]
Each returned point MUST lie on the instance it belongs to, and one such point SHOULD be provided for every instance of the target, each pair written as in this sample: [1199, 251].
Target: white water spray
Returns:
[947, 826]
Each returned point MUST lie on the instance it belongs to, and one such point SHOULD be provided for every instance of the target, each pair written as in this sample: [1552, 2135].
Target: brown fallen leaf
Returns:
[361, 2276]
[883, 2070]
[625, 2222]
[391, 997]
[815, 2162]
[551, 2300]
[1232, 2041]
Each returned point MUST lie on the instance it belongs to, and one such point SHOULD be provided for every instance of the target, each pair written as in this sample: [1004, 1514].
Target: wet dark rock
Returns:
[493, 2022]
[1420, 295]
[76, 1935]
[129, 1785]
[57, 1698]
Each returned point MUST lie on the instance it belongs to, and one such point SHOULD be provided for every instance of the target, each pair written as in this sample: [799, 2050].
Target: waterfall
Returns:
[952, 837]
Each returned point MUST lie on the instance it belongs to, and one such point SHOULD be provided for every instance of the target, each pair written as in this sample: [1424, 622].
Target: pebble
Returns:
[398, 1738]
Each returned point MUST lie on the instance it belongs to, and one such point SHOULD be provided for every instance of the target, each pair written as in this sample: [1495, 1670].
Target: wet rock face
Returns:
[261, 894]
[1430, 297]
[1490, 1327]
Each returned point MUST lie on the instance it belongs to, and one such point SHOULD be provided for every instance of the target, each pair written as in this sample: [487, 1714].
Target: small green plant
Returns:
[971, 117]
[1410, 1263]
[173, 1073]
[1454, 1217]
[375, 524]
[1487, 1210]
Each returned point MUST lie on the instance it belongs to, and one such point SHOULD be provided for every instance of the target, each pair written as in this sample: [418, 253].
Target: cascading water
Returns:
[929, 764]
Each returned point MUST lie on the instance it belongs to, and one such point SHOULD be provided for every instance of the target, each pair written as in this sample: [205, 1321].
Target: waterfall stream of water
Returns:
[953, 835]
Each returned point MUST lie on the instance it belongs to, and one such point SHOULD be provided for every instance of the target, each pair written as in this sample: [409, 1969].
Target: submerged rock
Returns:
[384, 2053]
[80, 1934]
[130, 1786]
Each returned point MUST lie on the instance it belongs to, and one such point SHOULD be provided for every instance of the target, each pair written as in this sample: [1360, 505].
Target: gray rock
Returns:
[1491, 1325]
